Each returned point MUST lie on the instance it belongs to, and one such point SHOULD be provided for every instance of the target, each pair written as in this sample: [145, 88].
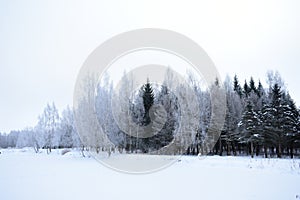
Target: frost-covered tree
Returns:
[46, 130]
[122, 109]
[9, 140]
[273, 77]
[3, 143]
[105, 115]
[233, 115]
[68, 134]
[87, 123]
[25, 138]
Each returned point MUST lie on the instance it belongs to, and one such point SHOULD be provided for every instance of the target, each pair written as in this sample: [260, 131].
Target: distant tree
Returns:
[3, 143]
[25, 138]
[12, 138]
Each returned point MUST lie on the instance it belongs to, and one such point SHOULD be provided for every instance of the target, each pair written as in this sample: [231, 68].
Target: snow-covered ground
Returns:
[26, 175]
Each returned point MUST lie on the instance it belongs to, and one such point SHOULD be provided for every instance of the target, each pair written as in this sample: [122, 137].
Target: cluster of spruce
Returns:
[259, 121]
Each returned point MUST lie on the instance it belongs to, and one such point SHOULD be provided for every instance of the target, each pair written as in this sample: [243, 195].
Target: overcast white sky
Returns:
[44, 43]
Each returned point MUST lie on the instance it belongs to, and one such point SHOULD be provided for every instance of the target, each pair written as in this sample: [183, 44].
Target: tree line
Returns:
[259, 121]
[51, 131]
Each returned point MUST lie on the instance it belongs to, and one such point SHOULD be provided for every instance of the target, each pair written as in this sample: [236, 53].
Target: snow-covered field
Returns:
[28, 176]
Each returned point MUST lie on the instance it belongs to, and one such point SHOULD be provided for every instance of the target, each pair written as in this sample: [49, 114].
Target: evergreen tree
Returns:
[252, 85]
[290, 123]
[232, 118]
[148, 100]
[246, 89]
[237, 87]
[260, 90]
[274, 117]
[169, 101]
[265, 115]
[249, 125]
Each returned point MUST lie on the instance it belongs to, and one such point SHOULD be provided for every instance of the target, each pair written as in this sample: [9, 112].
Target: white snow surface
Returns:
[26, 175]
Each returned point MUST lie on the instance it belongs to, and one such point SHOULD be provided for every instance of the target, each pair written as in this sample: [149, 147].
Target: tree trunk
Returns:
[220, 147]
[292, 150]
[257, 150]
[239, 149]
[266, 151]
[233, 148]
[279, 152]
[251, 150]
[36, 147]
[228, 149]
[82, 151]
[272, 152]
